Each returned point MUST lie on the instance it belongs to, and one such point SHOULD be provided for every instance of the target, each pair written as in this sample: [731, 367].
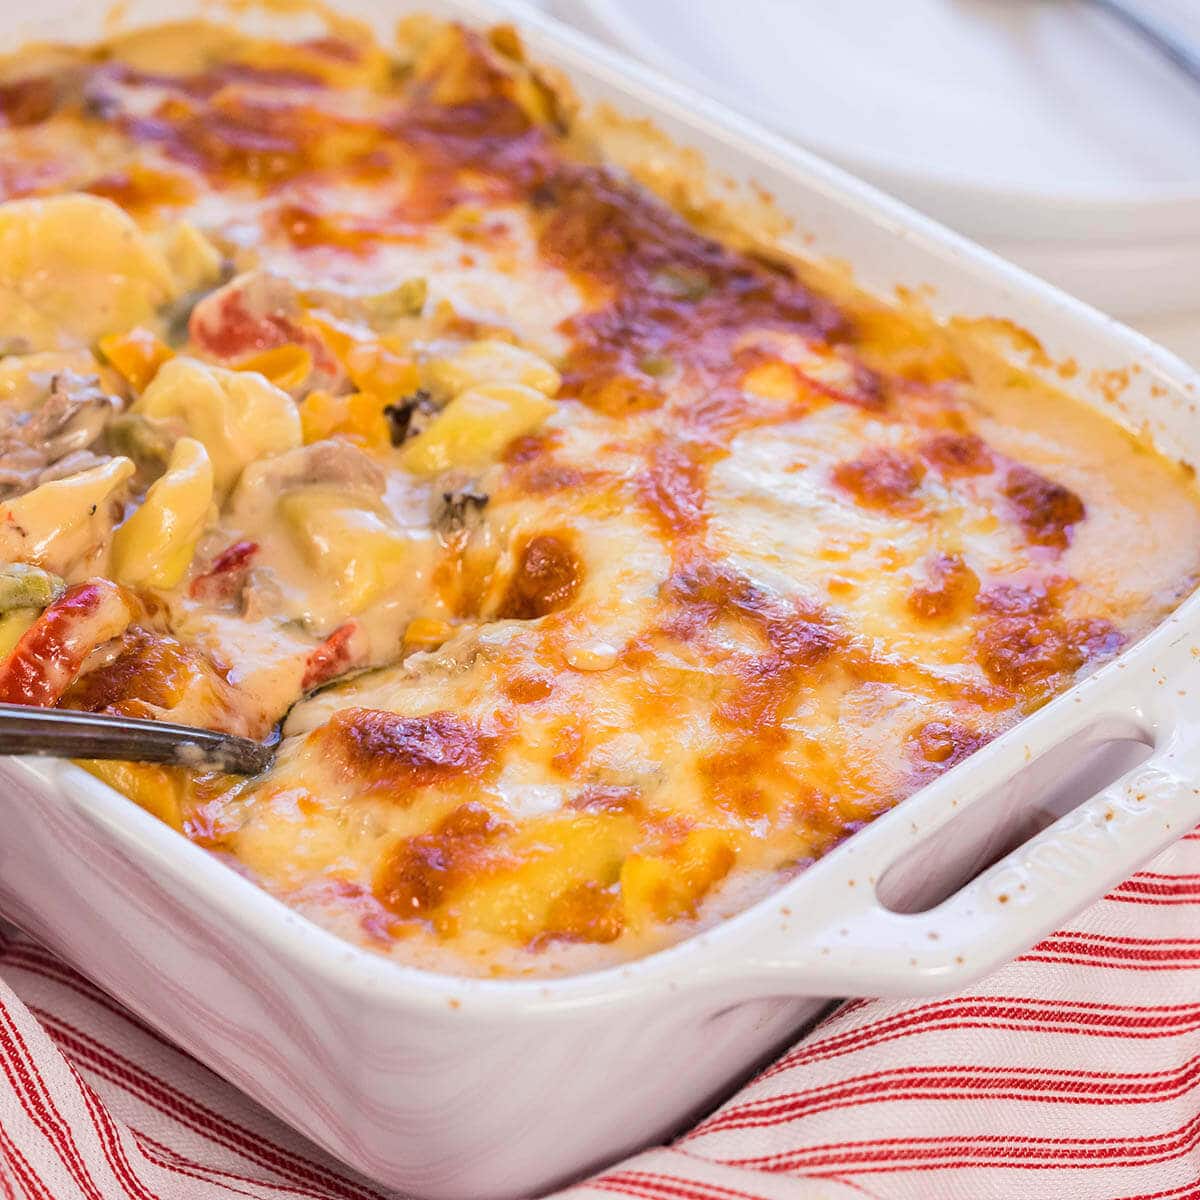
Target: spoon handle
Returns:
[1184, 54]
[68, 734]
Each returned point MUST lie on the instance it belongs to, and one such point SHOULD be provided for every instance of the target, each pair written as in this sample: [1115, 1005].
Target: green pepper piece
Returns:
[23, 585]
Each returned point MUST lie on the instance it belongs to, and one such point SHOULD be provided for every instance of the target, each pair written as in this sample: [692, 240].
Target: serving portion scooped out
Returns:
[603, 573]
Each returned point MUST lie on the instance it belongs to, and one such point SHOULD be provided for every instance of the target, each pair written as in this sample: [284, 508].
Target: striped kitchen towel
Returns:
[1072, 1074]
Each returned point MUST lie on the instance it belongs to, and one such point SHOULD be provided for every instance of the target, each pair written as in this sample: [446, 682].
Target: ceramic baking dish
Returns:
[479, 1090]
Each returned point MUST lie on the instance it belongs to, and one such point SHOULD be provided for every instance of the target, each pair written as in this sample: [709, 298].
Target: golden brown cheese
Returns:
[602, 574]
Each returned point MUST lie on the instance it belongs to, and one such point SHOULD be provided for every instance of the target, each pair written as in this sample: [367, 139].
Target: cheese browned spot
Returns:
[588, 912]
[1046, 510]
[28, 101]
[758, 686]
[421, 871]
[672, 488]
[599, 797]
[957, 454]
[950, 586]
[401, 754]
[547, 578]
[1097, 638]
[881, 478]
[936, 746]
[147, 672]
[528, 687]
[1025, 639]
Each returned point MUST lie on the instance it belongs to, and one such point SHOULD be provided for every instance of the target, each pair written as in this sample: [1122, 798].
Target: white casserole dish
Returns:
[480, 1090]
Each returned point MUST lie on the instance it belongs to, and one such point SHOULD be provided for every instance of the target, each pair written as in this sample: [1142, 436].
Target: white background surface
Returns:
[942, 92]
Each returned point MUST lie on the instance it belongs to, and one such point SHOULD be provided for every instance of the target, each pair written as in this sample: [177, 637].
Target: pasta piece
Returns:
[161, 49]
[238, 415]
[72, 269]
[65, 521]
[407, 299]
[475, 426]
[157, 789]
[194, 261]
[536, 882]
[357, 547]
[491, 361]
[155, 546]
[671, 885]
[363, 64]
[444, 63]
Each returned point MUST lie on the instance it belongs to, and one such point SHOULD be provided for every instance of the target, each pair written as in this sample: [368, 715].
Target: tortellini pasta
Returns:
[549, 860]
[72, 269]
[155, 545]
[406, 299]
[238, 415]
[490, 361]
[354, 545]
[161, 49]
[668, 886]
[194, 261]
[62, 522]
[475, 426]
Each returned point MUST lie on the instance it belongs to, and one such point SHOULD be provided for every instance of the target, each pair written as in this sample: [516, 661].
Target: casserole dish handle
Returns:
[868, 949]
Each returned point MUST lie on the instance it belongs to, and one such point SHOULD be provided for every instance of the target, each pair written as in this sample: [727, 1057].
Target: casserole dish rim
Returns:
[353, 968]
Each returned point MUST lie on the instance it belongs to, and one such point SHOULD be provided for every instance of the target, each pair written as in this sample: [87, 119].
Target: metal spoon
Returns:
[1133, 15]
[67, 734]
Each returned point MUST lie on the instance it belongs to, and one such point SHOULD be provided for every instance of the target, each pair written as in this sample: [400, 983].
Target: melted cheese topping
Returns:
[601, 575]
